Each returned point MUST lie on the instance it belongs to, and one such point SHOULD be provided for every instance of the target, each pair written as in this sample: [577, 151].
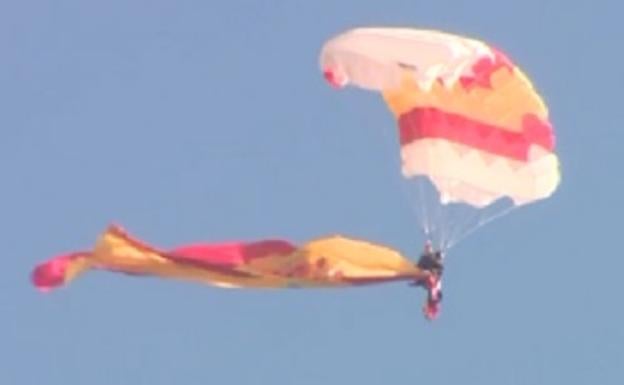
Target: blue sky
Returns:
[192, 120]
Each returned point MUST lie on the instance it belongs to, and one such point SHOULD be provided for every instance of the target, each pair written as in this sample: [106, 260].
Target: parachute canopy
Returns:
[472, 128]
[468, 118]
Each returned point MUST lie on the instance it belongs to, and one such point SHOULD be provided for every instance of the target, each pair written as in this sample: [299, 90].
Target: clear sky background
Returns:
[202, 120]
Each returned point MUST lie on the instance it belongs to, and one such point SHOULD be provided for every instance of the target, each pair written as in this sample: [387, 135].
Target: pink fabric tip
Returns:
[332, 79]
[51, 274]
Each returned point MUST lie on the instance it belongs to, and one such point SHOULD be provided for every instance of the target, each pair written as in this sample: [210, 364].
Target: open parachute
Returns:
[475, 138]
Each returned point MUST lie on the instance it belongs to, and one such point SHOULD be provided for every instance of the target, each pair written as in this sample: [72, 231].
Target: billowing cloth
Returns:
[334, 261]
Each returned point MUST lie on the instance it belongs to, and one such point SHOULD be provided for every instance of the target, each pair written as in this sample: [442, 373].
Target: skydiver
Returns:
[432, 261]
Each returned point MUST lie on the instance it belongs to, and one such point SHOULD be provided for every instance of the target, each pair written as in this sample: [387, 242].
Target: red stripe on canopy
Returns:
[423, 123]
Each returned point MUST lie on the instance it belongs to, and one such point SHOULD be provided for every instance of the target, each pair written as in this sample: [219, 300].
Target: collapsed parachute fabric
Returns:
[470, 121]
[333, 261]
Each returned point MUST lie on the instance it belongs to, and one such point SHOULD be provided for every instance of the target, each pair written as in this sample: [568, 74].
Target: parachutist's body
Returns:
[432, 261]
